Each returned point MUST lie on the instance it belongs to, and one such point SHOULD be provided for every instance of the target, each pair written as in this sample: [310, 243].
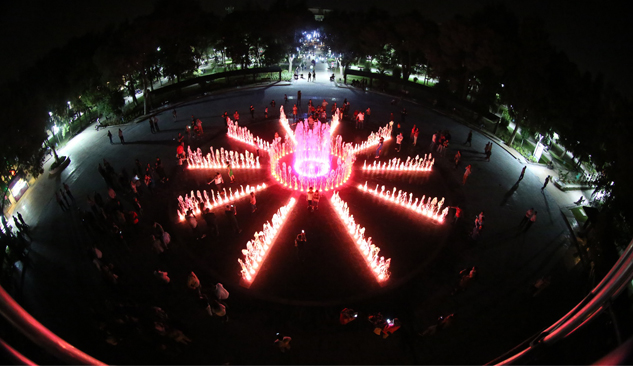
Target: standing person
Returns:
[60, 202]
[174, 114]
[299, 97]
[547, 179]
[315, 199]
[489, 152]
[156, 124]
[193, 223]
[313, 76]
[229, 170]
[469, 139]
[283, 343]
[300, 245]
[458, 214]
[285, 98]
[399, 139]
[137, 204]
[218, 181]
[193, 283]
[266, 113]
[121, 137]
[526, 218]
[22, 220]
[67, 189]
[476, 231]
[368, 113]
[522, 173]
[466, 174]
[412, 132]
[110, 137]
[236, 116]
[151, 125]
[157, 245]
[139, 167]
[361, 120]
[310, 198]
[458, 157]
[253, 202]
[531, 221]
[294, 112]
[252, 112]
[231, 213]
[272, 105]
[309, 76]
[211, 220]
[415, 136]
[61, 192]
[380, 143]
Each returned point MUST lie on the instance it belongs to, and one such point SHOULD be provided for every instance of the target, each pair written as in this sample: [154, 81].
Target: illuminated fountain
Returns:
[317, 162]
[378, 266]
[396, 164]
[335, 120]
[258, 248]
[312, 155]
[374, 139]
[213, 199]
[284, 123]
[431, 208]
[244, 135]
[219, 158]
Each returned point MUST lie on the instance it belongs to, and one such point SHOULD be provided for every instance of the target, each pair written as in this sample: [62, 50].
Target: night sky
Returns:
[595, 35]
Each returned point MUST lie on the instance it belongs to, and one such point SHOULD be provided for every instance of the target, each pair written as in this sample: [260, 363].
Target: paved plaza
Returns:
[62, 288]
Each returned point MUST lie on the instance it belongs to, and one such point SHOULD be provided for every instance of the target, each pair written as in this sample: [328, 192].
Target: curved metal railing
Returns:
[591, 306]
[39, 334]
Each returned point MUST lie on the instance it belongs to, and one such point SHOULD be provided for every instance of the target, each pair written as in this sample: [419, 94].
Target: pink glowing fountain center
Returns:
[312, 153]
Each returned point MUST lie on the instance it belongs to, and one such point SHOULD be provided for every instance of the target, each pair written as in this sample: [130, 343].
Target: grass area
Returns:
[565, 161]
[579, 214]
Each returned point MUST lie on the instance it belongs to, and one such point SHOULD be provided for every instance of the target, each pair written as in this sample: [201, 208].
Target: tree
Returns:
[525, 88]
[338, 26]
[21, 139]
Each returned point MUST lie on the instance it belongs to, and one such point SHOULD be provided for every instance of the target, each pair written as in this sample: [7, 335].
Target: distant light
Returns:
[68, 102]
[50, 114]
[158, 49]
[502, 85]
[17, 187]
[55, 129]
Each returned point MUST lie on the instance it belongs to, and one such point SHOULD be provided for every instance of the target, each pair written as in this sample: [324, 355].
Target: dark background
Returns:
[596, 35]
